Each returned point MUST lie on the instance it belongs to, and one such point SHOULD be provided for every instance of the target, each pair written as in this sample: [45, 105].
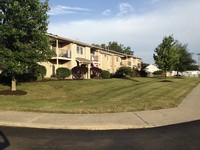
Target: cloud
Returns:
[143, 32]
[60, 10]
[154, 1]
[107, 12]
[125, 8]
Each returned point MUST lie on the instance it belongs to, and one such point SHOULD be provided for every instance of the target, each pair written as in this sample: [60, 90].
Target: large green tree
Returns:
[166, 55]
[186, 62]
[115, 46]
[23, 40]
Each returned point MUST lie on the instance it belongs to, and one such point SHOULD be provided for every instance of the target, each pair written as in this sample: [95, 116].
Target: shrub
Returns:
[79, 71]
[40, 71]
[124, 72]
[143, 73]
[105, 74]
[137, 73]
[62, 73]
[95, 72]
[158, 73]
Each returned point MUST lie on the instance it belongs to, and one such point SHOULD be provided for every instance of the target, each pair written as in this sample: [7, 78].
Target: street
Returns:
[184, 136]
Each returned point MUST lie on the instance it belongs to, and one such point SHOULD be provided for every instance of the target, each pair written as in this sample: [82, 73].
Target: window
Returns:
[68, 54]
[79, 50]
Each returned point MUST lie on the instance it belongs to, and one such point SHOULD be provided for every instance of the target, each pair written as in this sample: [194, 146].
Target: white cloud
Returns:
[60, 10]
[142, 33]
[107, 12]
[125, 8]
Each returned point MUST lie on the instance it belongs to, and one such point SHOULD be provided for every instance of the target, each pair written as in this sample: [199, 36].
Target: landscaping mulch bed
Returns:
[9, 92]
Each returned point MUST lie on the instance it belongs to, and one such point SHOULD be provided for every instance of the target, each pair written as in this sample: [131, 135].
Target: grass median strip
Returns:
[99, 96]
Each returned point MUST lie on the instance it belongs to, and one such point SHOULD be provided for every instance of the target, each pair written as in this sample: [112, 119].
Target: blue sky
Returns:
[140, 24]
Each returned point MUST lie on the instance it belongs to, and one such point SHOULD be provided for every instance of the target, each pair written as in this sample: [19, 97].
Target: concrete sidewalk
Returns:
[188, 110]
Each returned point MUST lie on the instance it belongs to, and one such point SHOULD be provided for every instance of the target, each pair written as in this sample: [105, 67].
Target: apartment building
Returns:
[70, 53]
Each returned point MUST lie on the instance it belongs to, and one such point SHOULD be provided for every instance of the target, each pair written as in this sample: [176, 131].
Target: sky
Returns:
[140, 24]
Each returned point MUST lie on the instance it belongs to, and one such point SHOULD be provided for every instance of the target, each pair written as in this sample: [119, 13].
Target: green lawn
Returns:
[99, 96]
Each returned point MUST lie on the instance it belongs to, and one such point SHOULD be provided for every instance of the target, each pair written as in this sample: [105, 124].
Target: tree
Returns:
[115, 46]
[186, 62]
[166, 54]
[144, 65]
[119, 48]
[143, 73]
[23, 40]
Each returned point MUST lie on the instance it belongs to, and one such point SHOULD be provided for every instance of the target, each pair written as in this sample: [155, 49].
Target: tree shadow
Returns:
[165, 81]
[131, 79]
[4, 142]
[179, 77]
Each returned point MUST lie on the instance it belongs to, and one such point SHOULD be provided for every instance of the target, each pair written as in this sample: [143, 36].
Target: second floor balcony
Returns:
[62, 54]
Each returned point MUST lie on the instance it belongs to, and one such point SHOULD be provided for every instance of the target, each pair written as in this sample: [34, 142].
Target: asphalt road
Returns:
[184, 136]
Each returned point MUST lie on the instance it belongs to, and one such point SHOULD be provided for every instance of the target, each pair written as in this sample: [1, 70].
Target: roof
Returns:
[151, 68]
[69, 40]
[89, 45]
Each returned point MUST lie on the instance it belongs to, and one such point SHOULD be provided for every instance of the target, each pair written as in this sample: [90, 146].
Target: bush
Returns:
[143, 73]
[78, 72]
[105, 74]
[62, 73]
[158, 73]
[95, 72]
[40, 71]
[124, 72]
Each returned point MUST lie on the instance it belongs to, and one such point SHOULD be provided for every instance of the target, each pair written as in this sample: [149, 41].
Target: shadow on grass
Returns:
[179, 77]
[166, 81]
[15, 93]
[131, 79]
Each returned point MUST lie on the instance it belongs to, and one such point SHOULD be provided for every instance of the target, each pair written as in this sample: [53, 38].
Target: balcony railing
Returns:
[62, 53]
[66, 55]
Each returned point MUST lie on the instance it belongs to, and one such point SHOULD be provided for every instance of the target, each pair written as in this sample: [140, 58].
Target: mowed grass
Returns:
[99, 96]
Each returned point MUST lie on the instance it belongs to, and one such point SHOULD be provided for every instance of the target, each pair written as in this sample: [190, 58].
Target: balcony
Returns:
[62, 55]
